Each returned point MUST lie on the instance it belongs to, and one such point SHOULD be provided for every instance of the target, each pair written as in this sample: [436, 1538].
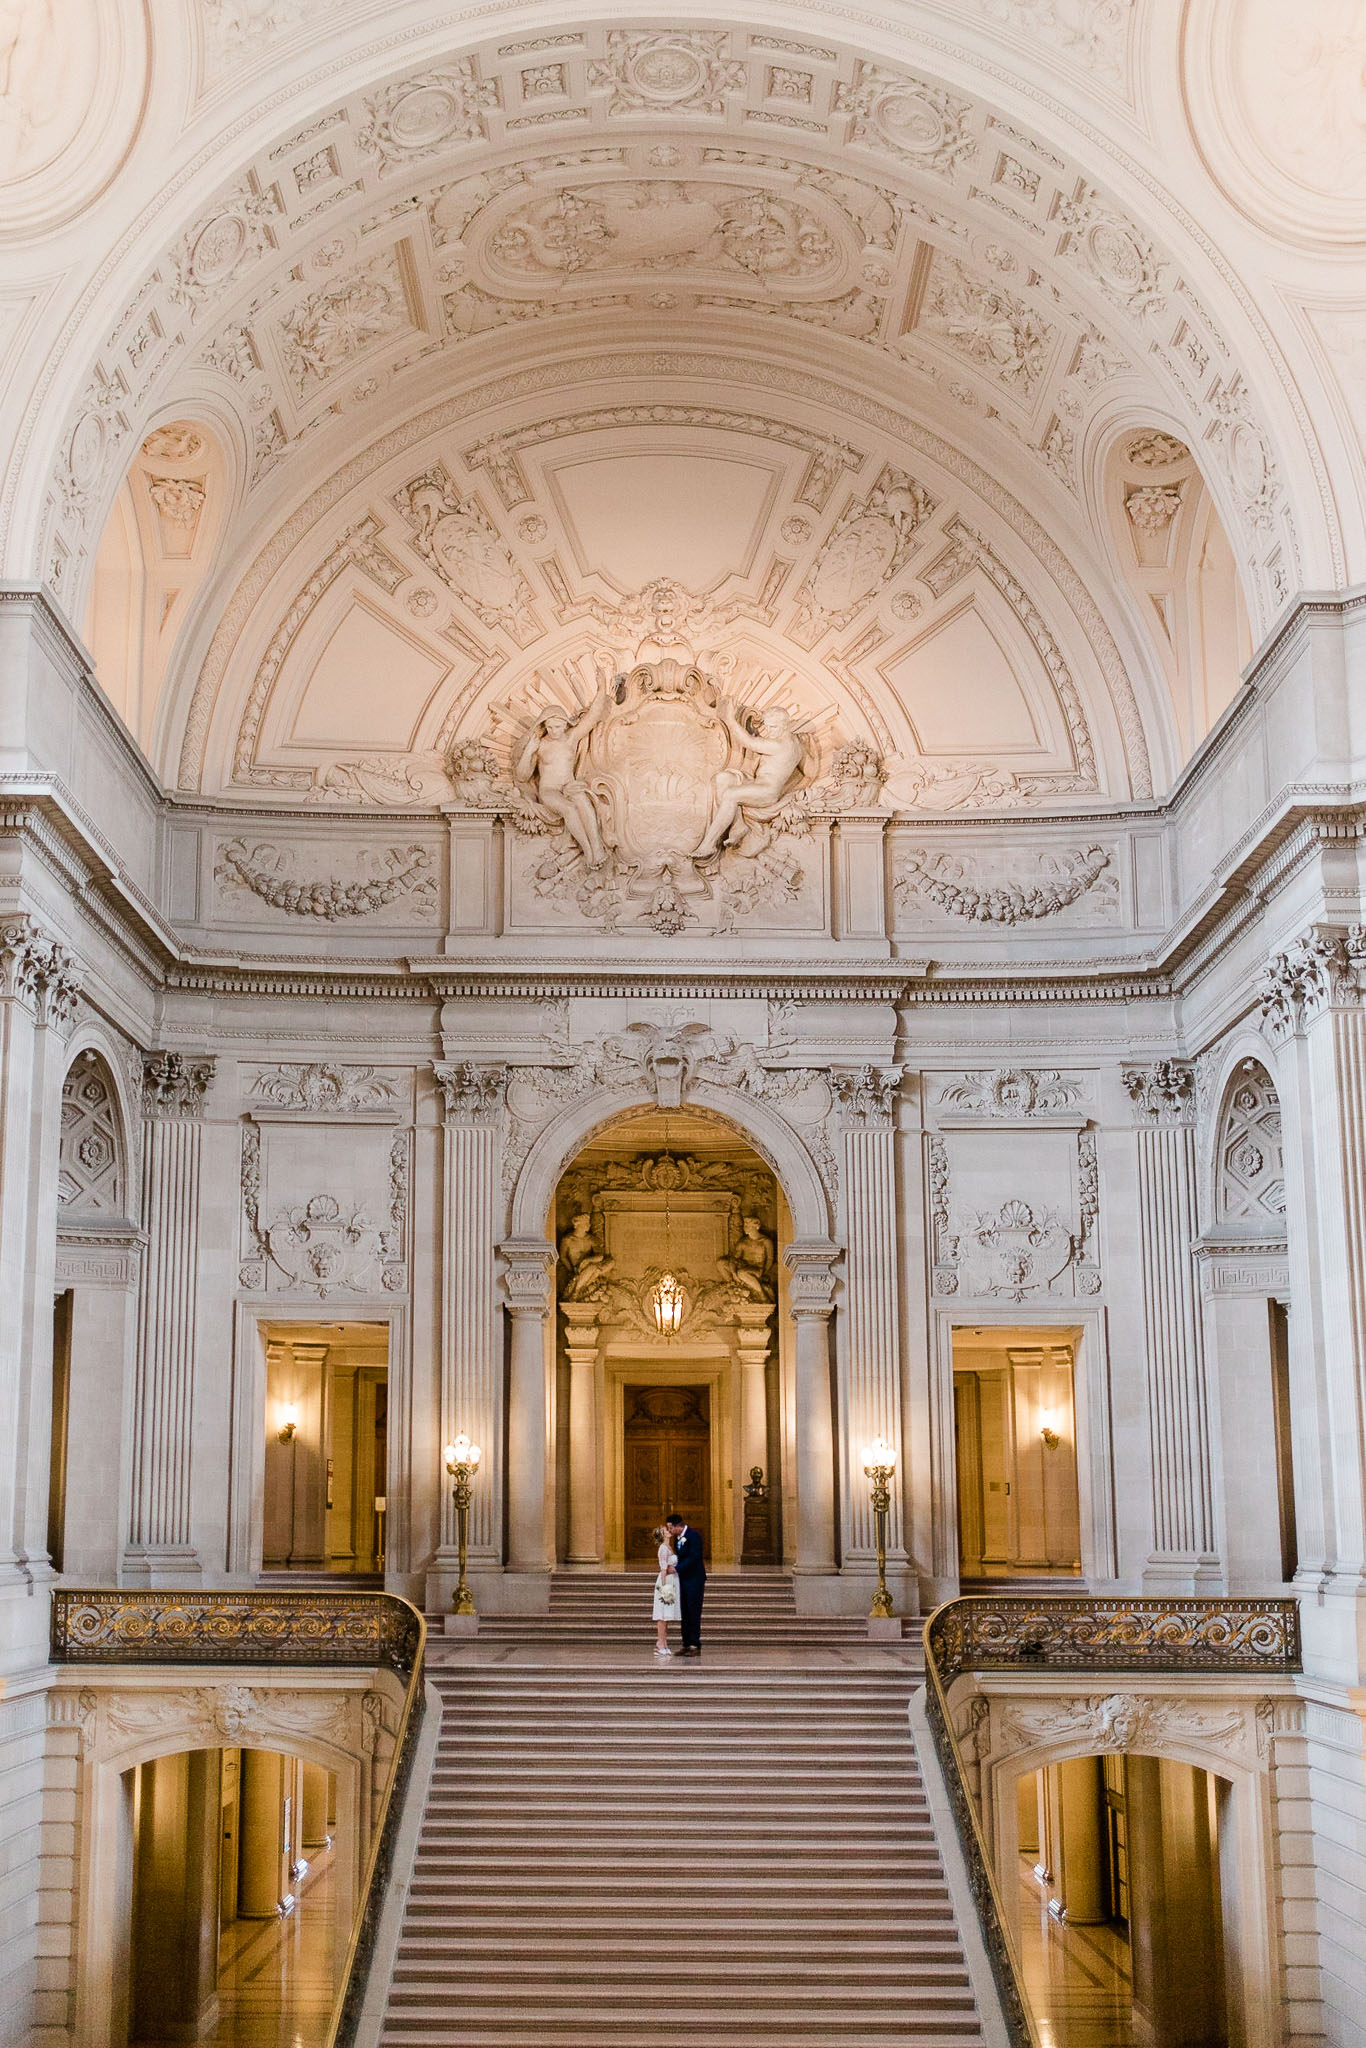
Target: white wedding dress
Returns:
[666, 1608]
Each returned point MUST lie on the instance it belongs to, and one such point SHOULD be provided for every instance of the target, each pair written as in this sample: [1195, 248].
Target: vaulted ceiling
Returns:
[874, 370]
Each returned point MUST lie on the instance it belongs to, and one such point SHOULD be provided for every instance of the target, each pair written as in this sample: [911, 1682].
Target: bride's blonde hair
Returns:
[661, 1534]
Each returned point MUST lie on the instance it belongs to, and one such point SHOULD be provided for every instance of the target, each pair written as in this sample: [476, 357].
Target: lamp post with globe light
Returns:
[462, 1462]
[879, 1463]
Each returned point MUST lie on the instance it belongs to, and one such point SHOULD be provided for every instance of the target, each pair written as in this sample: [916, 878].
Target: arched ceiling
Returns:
[798, 351]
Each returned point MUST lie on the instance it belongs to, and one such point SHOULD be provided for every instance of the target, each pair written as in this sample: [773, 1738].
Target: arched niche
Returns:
[1169, 545]
[1248, 1183]
[93, 1165]
[778, 1144]
[152, 558]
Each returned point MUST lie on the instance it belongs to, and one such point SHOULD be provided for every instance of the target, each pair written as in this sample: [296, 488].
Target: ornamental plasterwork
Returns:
[990, 891]
[90, 1166]
[1012, 1092]
[662, 802]
[980, 319]
[318, 1088]
[1249, 1184]
[38, 970]
[864, 550]
[459, 542]
[224, 1713]
[321, 1247]
[949, 174]
[1123, 1721]
[396, 879]
[1163, 1092]
[1020, 1249]
[1322, 969]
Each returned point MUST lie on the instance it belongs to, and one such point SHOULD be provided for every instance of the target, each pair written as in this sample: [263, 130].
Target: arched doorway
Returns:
[671, 1402]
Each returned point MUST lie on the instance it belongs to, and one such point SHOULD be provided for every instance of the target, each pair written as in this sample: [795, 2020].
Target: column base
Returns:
[1170, 1573]
[159, 1568]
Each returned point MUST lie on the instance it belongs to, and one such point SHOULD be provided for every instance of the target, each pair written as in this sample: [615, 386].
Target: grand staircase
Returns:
[617, 1854]
[743, 1610]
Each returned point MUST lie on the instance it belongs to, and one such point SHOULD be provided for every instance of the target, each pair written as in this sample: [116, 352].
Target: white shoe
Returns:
[663, 1650]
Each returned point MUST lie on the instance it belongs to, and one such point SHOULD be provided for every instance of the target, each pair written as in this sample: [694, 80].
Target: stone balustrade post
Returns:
[160, 1550]
[1184, 1557]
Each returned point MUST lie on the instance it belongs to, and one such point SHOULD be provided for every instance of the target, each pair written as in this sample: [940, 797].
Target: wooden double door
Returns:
[668, 1463]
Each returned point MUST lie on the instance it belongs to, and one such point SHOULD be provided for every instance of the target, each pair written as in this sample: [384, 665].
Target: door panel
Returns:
[667, 1463]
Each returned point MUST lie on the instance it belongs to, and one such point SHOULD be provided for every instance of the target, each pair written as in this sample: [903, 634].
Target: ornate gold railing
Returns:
[377, 1631]
[1014, 1632]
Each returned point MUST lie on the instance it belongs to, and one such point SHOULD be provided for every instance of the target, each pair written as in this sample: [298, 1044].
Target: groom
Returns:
[692, 1581]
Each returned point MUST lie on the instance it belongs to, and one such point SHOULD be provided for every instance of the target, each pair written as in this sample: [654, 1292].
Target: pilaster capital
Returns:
[811, 1261]
[174, 1084]
[1163, 1092]
[865, 1096]
[470, 1092]
[1323, 969]
[528, 1263]
[38, 970]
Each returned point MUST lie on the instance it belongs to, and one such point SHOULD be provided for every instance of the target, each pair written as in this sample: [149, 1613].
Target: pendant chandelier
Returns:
[666, 1296]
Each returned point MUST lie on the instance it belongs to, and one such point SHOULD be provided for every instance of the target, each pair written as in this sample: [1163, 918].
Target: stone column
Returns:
[870, 1390]
[1184, 1556]
[811, 1263]
[38, 986]
[527, 1266]
[585, 1433]
[471, 1337]
[1312, 1000]
[160, 1551]
[751, 1354]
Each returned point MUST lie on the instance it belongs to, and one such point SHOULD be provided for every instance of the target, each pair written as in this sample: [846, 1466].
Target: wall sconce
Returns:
[1048, 1429]
[462, 1462]
[879, 1463]
[291, 1423]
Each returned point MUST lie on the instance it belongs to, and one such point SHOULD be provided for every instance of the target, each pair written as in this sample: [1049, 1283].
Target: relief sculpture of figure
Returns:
[751, 1263]
[546, 771]
[778, 745]
[584, 1263]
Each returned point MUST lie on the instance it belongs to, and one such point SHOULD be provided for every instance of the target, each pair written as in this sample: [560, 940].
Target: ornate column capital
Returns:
[528, 1263]
[811, 1261]
[865, 1096]
[1325, 968]
[38, 970]
[470, 1092]
[1163, 1092]
[174, 1084]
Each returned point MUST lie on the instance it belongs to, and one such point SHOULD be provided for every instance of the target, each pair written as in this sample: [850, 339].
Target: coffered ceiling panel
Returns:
[696, 517]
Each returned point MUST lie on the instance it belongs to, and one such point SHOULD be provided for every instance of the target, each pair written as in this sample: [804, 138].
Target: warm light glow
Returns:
[289, 1422]
[462, 1452]
[1048, 1427]
[666, 1300]
[879, 1453]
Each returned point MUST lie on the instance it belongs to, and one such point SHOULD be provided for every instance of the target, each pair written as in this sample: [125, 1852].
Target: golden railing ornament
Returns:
[879, 1463]
[462, 1462]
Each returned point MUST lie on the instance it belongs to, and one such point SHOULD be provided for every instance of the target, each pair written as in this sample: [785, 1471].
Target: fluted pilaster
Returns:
[471, 1341]
[870, 1392]
[1184, 1556]
[160, 1546]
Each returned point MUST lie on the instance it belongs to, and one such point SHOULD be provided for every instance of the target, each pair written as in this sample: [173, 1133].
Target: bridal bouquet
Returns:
[667, 1591]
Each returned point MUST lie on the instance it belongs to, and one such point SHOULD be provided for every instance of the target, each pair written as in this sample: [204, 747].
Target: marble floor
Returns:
[1077, 1978]
[275, 1976]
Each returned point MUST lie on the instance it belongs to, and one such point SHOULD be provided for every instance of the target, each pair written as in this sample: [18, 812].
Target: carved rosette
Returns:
[174, 1084]
[37, 969]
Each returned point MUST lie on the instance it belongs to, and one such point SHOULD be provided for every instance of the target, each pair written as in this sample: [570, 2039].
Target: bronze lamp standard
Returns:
[462, 1462]
[879, 1463]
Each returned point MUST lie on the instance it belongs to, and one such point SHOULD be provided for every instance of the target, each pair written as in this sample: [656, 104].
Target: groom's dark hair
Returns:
[674, 1519]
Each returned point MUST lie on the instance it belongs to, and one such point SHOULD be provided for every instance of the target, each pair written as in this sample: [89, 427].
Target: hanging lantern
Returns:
[666, 1300]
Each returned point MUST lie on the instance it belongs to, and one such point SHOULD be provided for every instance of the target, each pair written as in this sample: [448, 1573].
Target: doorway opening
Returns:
[225, 1880]
[690, 1408]
[667, 1433]
[327, 1410]
[1019, 1513]
[1123, 1903]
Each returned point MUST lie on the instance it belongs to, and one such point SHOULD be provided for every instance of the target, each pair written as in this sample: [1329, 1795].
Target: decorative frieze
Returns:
[387, 877]
[961, 886]
[316, 1088]
[1009, 1092]
[1124, 1722]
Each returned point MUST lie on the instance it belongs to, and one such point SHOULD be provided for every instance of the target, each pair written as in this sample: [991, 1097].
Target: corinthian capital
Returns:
[1165, 1090]
[1325, 968]
[174, 1084]
[37, 969]
[866, 1095]
[470, 1093]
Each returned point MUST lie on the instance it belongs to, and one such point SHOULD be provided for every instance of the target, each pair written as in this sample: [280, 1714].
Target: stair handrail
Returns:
[98, 1625]
[1076, 1632]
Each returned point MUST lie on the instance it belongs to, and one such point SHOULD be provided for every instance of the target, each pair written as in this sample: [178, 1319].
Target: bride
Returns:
[665, 1608]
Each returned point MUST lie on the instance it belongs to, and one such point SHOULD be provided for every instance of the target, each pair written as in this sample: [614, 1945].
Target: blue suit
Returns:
[692, 1585]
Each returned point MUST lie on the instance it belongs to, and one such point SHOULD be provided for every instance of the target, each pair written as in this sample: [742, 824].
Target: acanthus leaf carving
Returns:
[1011, 1092]
[1124, 1722]
[417, 116]
[39, 970]
[1164, 1090]
[315, 1086]
[470, 1092]
[174, 1084]
[866, 1095]
[678, 70]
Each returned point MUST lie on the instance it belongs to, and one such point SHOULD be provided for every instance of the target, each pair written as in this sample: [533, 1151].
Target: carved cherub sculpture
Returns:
[546, 771]
[778, 747]
[584, 1262]
[751, 1263]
